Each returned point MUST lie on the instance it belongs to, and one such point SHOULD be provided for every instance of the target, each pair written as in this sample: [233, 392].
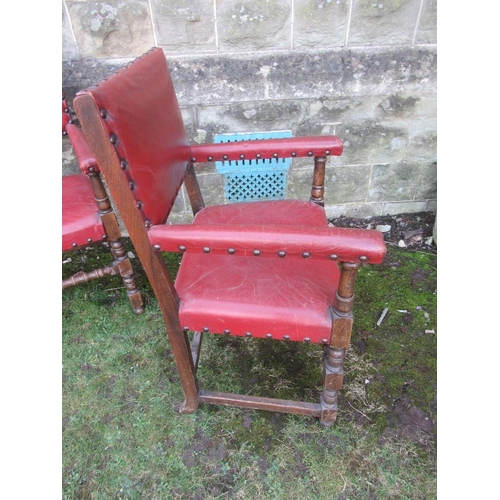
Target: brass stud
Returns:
[227, 332]
[307, 340]
[310, 153]
[206, 249]
[248, 334]
[231, 251]
[182, 248]
[157, 247]
[281, 253]
[91, 169]
[242, 157]
[205, 329]
[269, 336]
[210, 158]
[327, 152]
[147, 224]
[334, 256]
[131, 186]
[123, 164]
[193, 160]
[74, 245]
[363, 258]
[104, 113]
[275, 155]
[306, 255]
[286, 337]
[113, 139]
[89, 240]
[258, 156]
[256, 252]
[138, 204]
[185, 329]
[294, 154]
[225, 157]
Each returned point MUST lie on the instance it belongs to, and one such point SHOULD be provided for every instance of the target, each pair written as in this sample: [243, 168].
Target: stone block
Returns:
[320, 23]
[112, 29]
[181, 204]
[427, 25]
[245, 25]
[259, 116]
[363, 210]
[387, 70]
[292, 75]
[406, 207]
[431, 206]
[334, 211]
[383, 22]
[423, 145]
[82, 73]
[342, 185]
[394, 182]
[69, 164]
[371, 143]
[298, 184]
[347, 184]
[212, 188]
[184, 27]
[427, 185]
[69, 47]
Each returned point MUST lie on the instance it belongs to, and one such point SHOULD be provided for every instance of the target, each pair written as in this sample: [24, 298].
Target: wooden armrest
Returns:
[343, 244]
[268, 148]
[84, 155]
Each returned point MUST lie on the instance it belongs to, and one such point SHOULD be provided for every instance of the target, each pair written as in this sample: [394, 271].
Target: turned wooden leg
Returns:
[127, 274]
[333, 376]
[333, 371]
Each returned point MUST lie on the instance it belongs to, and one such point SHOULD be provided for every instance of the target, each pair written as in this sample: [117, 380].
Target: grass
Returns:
[123, 437]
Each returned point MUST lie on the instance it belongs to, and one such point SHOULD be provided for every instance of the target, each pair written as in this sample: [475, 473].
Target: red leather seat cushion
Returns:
[80, 215]
[259, 295]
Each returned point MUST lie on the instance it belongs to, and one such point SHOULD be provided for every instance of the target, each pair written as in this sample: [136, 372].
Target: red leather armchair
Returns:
[88, 218]
[265, 269]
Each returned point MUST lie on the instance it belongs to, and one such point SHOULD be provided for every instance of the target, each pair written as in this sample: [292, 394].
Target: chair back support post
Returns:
[193, 189]
[152, 261]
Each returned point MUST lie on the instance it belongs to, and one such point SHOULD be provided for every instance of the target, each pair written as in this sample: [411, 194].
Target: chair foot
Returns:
[328, 414]
[188, 407]
[128, 277]
[135, 300]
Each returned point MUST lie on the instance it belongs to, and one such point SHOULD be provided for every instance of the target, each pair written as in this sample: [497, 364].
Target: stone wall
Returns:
[364, 70]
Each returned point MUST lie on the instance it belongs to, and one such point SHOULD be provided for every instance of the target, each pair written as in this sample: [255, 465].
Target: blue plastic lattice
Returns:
[252, 180]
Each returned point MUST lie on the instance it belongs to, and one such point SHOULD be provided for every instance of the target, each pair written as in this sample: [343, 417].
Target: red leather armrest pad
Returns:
[84, 155]
[268, 148]
[348, 245]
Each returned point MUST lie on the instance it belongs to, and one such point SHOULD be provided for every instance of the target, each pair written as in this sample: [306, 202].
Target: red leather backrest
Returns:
[140, 112]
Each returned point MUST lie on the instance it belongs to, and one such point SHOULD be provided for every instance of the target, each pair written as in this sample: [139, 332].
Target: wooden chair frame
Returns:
[350, 255]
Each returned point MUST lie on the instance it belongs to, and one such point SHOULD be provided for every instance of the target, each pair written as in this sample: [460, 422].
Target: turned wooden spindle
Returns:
[318, 184]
